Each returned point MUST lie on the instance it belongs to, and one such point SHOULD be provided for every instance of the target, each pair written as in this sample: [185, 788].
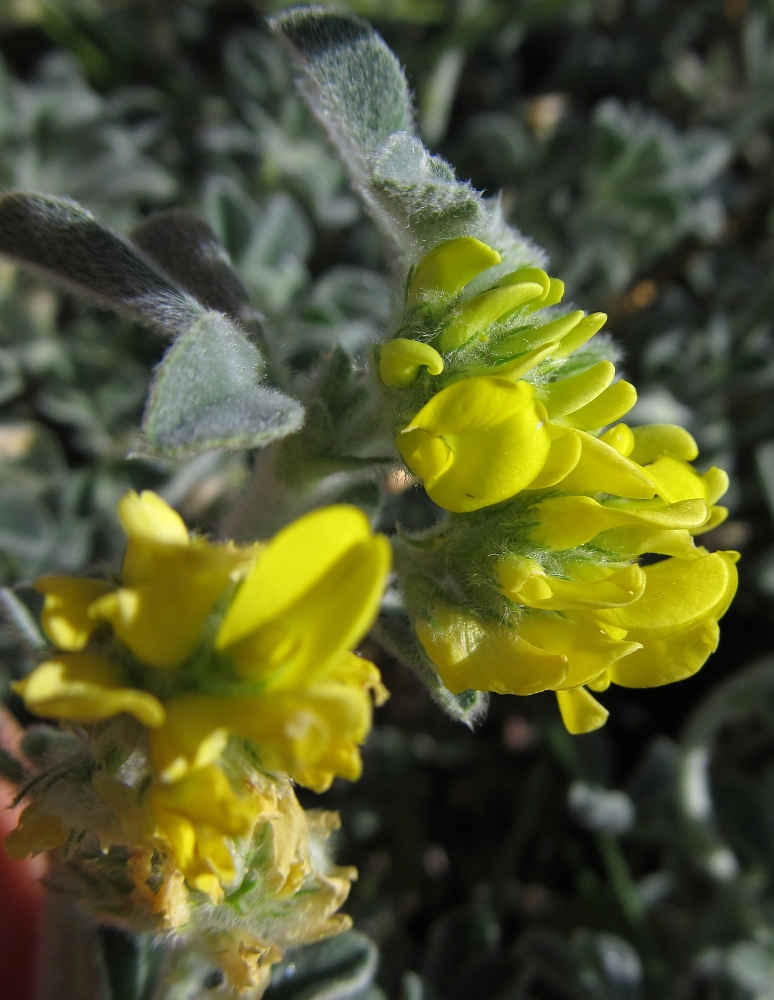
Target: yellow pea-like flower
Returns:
[170, 583]
[278, 670]
[477, 442]
[504, 419]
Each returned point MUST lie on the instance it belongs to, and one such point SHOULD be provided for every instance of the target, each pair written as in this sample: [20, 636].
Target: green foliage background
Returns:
[634, 140]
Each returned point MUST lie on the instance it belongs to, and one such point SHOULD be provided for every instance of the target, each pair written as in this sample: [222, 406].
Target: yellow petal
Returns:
[569, 394]
[563, 455]
[322, 625]
[487, 657]
[715, 484]
[85, 687]
[621, 438]
[677, 480]
[664, 661]
[427, 455]
[601, 469]
[618, 587]
[578, 336]
[65, 615]
[401, 359]
[531, 338]
[717, 516]
[587, 649]
[479, 313]
[581, 713]
[527, 274]
[147, 516]
[450, 266]
[497, 436]
[161, 617]
[296, 559]
[634, 540]
[565, 522]
[601, 683]
[679, 593]
[551, 297]
[608, 407]
[654, 440]
[206, 798]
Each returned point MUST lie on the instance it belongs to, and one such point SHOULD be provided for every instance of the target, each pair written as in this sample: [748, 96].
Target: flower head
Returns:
[534, 583]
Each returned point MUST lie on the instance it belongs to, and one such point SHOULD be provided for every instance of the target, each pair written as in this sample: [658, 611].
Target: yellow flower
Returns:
[311, 597]
[170, 583]
[279, 671]
[477, 442]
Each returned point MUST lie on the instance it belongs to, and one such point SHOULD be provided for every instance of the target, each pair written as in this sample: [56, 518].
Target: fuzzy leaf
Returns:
[63, 241]
[396, 633]
[338, 967]
[185, 248]
[422, 193]
[356, 88]
[207, 394]
[351, 77]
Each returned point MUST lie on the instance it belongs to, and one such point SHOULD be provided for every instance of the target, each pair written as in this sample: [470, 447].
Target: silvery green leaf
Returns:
[357, 90]
[334, 969]
[353, 82]
[185, 248]
[395, 632]
[422, 194]
[61, 240]
[208, 394]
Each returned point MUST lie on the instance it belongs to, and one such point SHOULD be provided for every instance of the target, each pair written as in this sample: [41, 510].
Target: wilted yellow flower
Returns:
[253, 642]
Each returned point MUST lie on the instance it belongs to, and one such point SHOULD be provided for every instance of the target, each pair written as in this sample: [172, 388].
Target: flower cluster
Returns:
[201, 684]
[509, 416]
